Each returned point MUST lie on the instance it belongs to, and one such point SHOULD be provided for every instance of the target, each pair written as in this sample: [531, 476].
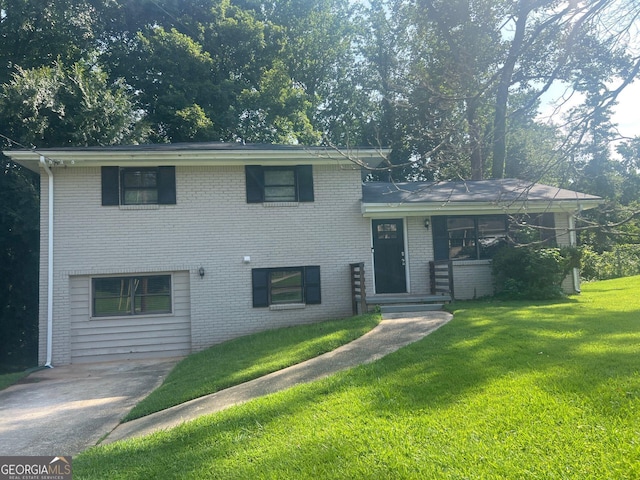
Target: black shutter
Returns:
[304, 175]
[166, 182]
[110, 186]
[260, 287]
[312, 285]
[440, 238]
[255, 183]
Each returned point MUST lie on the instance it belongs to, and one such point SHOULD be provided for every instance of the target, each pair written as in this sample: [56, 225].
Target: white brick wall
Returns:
[420, 242]
[210, 226]
[472, 279]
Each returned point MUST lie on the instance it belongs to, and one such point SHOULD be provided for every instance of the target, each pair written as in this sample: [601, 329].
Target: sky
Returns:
[627, 112]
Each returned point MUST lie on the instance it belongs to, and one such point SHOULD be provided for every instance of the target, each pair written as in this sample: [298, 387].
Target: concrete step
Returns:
[411, 308]
[406, 303]
[391, 299]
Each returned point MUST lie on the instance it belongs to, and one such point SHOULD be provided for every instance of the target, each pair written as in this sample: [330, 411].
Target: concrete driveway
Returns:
[64, 410]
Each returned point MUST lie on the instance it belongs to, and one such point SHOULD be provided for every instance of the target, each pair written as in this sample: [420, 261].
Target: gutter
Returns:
[199, 157]
[43, 162]
[421, 209]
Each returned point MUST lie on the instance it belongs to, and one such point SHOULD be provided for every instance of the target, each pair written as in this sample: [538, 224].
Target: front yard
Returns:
[505, 390]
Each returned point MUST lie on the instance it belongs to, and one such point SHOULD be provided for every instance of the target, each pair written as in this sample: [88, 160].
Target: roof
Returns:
[192, 154]
[467, 197]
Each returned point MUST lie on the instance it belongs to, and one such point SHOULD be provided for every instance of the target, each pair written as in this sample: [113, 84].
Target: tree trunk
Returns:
[502, 97]
[475, 140]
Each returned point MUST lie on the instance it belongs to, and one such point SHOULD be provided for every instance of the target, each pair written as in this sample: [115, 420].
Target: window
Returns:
[276, 286]
[534, 228]
[387, 231]
[138, 186]
[140, 295]
[279, 184]
[468, 237]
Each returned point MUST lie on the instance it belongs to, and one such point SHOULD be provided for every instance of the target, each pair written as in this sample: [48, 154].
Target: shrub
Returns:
[621, 261]
[532, 273]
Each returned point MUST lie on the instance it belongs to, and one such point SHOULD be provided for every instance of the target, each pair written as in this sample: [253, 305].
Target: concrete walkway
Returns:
[65, 410]
[394, 332]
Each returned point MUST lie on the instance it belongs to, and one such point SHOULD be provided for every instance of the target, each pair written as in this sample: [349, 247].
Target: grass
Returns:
[505, 390]
[8, 379]
[249, 357]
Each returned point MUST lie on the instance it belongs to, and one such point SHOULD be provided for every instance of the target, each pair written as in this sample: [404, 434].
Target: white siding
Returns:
[115, 338]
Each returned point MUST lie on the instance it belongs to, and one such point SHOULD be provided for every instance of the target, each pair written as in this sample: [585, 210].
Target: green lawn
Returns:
[249, 357]
[8, 379]
[506, 390]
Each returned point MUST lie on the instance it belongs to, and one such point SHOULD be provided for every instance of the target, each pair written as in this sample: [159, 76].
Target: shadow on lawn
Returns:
[572, 349]
[569, 349]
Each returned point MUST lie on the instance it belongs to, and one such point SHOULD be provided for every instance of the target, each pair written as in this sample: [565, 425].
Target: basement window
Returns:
[285, 286]
[123, 296]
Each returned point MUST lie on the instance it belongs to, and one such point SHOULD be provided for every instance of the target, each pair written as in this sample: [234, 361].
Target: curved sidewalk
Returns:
[391, 334]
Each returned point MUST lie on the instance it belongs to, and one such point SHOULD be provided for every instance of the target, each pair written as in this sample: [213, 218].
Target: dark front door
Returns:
[388, 256]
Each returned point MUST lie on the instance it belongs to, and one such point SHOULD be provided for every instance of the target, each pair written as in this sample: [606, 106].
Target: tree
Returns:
[19, 245]
[58, 106]
[231, 70]
[37, 33]
[478, 70]
[51, 105]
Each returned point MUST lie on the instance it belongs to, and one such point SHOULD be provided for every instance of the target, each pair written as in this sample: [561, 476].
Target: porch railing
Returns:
[441, 277]
[358, 289]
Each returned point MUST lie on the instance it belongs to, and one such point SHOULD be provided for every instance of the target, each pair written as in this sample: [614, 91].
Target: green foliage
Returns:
[174, 83]
[620, 261]
[38, 33]
[262, 353]
[532, 273]
[8, 379]
[19, 246]
[226, 70]
[280, 103]
[60, 106]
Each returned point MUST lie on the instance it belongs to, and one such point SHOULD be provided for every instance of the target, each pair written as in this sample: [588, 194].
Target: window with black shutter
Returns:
[138, 186]
[279, 184]
[286, 285]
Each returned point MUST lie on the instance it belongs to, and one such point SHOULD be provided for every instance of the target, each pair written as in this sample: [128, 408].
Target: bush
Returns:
[532, 273]
[621, 261]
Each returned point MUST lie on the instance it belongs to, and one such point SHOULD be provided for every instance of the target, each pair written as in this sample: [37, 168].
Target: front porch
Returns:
[441, 292]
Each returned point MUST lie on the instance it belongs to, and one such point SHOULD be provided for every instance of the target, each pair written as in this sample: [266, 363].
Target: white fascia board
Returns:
[193, 157]
[386, 210]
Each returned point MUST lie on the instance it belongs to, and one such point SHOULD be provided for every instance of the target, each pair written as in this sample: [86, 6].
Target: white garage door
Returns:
[134, 337]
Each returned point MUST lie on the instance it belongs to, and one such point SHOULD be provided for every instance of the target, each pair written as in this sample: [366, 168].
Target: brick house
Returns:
[163, 250]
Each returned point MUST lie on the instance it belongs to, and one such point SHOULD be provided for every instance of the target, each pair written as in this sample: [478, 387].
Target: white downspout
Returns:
[573, 241]
[43, 162]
